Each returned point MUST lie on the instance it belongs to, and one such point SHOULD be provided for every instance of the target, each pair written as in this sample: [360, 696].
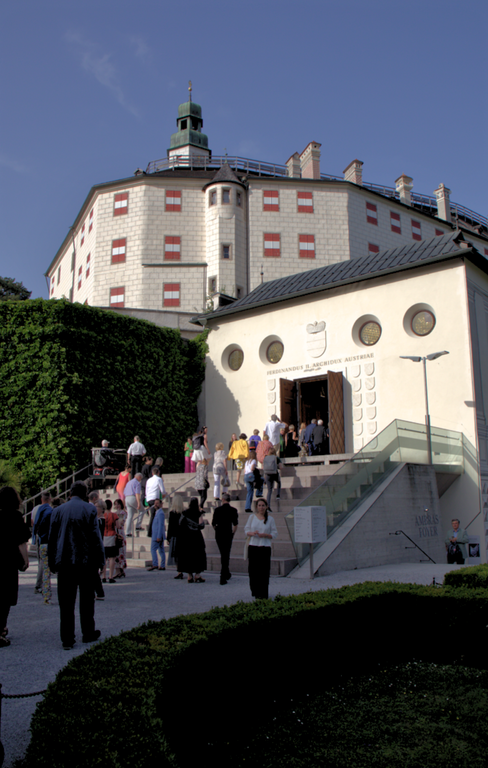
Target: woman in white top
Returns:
[219, 469]
[261, 529]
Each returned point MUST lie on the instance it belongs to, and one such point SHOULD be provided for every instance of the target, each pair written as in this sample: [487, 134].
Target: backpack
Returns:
[270, 464]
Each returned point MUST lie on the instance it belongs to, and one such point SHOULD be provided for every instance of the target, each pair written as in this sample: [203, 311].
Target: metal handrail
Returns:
[69, 480]
[397, 533]
[275, 169]
[217, 161]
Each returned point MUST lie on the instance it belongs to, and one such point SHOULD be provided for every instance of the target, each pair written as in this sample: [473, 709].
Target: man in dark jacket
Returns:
[76, 553]
[319, 438]
[224, 521]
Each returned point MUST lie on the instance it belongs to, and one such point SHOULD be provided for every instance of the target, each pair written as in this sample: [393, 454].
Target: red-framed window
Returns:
[117, 297]
[272, 245]
[373, 249]
[171, 295]
[416, 230]
[82, 235]
[119, 248]
[88, 262]
[306, 246]
[439, 233]
[271, 200]
[80, 277]
[395, 222]
[91, 221]
[52, 286]
[173, 201]
[305, 202]
[372, 213]
[121, 203]
[172, 248]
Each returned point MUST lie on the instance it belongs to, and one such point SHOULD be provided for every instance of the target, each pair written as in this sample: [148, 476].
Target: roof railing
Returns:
[244, 164]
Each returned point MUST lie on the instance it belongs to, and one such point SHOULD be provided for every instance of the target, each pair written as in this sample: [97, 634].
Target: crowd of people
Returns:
[84, 540]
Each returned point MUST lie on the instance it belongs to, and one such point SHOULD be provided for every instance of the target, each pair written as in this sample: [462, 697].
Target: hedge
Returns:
[474, 577]
[167, 691]
[71, 375]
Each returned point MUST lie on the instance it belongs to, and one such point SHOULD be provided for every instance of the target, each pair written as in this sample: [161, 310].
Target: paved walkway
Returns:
[36, 654]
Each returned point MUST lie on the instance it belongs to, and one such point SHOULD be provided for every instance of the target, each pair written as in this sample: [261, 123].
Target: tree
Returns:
[12, 291]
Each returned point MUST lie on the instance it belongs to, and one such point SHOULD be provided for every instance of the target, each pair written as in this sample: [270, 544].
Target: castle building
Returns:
[354, 344]
[195, 231]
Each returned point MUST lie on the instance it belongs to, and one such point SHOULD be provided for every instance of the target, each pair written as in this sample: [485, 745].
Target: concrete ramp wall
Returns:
[407, 500]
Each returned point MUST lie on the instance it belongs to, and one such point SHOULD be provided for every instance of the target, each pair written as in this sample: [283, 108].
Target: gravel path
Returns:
[36, 654]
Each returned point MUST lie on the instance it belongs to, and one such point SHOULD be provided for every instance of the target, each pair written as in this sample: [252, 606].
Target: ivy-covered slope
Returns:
[71, 375]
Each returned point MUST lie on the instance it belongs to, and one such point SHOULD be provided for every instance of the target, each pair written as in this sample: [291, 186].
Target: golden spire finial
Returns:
[189, 87]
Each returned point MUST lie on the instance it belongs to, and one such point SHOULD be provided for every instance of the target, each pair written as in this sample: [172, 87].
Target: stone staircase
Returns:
[297, 482]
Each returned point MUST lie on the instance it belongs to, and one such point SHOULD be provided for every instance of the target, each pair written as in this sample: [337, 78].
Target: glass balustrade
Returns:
[400, 442]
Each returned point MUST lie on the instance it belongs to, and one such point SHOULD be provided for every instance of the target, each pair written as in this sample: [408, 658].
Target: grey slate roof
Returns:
[352, 271]
[225, 173]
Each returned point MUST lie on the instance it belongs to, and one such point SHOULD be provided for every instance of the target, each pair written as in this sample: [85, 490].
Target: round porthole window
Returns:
[274, 352]
[423, 323]
[370, 333]
[236, 359]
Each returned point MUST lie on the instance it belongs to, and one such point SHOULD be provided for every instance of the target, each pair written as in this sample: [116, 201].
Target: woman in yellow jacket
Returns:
[239, 451]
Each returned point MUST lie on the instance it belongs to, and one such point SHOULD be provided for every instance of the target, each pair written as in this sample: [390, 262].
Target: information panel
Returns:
[310, 525]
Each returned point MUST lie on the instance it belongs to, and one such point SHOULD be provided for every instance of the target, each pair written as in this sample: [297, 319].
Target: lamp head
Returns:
[435, 355]
[408, 357]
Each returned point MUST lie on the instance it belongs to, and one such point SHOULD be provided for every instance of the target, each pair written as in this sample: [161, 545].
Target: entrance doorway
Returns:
[316, 397]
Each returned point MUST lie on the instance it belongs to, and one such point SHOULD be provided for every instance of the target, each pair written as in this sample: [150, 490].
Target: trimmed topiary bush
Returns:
[167, 691]
[474, 577]
[71, 375]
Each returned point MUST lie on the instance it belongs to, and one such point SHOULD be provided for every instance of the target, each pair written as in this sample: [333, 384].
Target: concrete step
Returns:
[297, 482]
[280, 566]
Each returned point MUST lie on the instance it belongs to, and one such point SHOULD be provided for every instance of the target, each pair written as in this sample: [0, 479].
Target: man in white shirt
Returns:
[272, 429]
[155, 487]
[154, 491]
[135, 452]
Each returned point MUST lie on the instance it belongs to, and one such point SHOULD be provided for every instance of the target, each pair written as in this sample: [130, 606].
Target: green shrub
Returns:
[474, 577]
[400, 716]
[166, 691]
[71, 375]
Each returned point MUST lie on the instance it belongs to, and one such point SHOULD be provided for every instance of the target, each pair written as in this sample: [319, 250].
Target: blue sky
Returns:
[90, 92]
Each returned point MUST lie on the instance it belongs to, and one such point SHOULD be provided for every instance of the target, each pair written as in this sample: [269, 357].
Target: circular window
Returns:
[274, 353]
[423, 323]
[370, 333]
[236, 359]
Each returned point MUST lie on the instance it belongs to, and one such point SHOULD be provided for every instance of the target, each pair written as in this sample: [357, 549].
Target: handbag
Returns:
[226, 482]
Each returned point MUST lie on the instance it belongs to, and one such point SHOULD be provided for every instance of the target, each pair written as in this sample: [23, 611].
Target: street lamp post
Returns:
[433, 356]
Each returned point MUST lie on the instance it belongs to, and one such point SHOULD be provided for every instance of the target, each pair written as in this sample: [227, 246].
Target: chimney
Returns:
[354, 172]
[404, 186]
[310, 161]
[443, 203]
[293, 165]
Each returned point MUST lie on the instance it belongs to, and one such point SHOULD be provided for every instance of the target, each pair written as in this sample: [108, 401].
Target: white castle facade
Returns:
[194, 230]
